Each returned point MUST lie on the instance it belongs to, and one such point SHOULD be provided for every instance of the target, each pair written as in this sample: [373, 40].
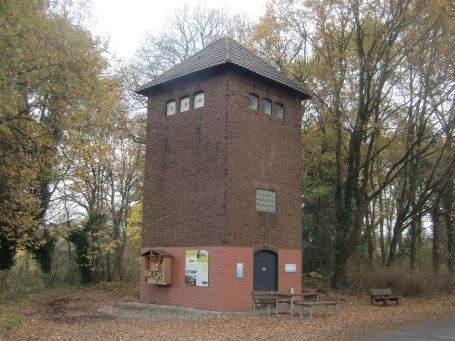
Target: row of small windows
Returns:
[253, 103]
[171, 105]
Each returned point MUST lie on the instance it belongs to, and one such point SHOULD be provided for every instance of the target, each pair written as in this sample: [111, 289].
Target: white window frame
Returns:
[170, 108]
[279, 112]
[267, 107]
[198, 100]
[184, 103]
[253, 101]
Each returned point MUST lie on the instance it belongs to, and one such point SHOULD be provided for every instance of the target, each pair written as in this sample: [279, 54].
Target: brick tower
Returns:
[222, 189]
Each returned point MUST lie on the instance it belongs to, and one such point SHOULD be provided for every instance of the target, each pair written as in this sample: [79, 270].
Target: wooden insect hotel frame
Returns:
[157, 267]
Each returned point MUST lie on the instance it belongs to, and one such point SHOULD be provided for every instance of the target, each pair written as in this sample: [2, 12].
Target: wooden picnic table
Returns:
[290, 295]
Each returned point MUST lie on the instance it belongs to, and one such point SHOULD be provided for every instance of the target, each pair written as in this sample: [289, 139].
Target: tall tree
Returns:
[104, 169]
[354, 54]
[49, 70]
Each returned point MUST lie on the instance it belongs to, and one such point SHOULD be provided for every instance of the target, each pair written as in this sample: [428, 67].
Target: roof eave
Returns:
[146, 89]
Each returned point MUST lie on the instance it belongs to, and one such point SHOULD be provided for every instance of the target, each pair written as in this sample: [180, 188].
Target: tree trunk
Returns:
[393, 248]
[449, 217]
[343, 208]
[369, 229]
[340, 267]
[436, 213]
[3, 283]
[413, 255]
[396, 239]
[382, 243]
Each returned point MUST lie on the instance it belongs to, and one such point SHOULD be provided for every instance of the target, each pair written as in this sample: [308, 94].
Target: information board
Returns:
[197, 268]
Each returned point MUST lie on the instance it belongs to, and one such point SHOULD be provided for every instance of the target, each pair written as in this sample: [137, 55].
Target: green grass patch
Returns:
[10, 321]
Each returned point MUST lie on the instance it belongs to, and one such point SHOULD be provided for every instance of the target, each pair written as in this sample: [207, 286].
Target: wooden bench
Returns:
[383, 295]
[310, 305]
[266, 298]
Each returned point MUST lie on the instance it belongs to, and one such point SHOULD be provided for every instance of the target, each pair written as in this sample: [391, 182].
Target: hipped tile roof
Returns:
[223, 51]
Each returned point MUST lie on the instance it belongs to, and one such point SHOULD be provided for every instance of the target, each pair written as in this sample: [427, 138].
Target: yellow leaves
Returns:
[315, 275]
[134, 228]
[103, 241]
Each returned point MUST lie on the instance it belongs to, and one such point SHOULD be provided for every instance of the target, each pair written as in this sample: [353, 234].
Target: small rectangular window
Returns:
[184, 104]
[253, 102]
[279, 111]
[267, 107]
[199, 100]
[170, 108]
[265, 201]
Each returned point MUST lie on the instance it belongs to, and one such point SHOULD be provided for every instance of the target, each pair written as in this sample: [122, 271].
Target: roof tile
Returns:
[223, 51]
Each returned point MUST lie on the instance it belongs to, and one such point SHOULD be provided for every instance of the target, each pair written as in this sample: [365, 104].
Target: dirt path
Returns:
[111, 312]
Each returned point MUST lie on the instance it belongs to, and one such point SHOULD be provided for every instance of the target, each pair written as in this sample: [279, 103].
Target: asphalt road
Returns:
[438, 330]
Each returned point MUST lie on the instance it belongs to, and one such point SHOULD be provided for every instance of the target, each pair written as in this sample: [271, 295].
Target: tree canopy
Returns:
[51, 77]
[374, 131]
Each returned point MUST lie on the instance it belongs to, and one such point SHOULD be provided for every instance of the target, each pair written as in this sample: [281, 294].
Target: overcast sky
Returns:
[125, 21]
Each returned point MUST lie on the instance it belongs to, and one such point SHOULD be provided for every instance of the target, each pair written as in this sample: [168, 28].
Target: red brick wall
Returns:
[225, 292]
[263, 152]
[203, 166]
[288, 280]
[184, 182]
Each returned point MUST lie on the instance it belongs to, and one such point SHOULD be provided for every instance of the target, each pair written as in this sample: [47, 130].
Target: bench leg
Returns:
[276, 307]
[268, 308]
[302, 311]
[336, 309]
[292, 306]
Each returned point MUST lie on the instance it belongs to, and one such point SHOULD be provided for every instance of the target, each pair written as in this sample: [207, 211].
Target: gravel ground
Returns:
[136, 310]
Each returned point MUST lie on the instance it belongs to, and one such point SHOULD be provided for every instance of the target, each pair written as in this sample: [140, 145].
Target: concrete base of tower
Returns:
[227, 277]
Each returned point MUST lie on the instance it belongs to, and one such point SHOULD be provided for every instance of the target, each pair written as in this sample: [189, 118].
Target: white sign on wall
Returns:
[290, 268]
[239, 270]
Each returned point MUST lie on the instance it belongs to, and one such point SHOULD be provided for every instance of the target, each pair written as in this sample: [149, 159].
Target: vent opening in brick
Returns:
[265, 201]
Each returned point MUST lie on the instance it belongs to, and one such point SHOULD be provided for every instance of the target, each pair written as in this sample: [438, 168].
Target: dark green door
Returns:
[265, 271]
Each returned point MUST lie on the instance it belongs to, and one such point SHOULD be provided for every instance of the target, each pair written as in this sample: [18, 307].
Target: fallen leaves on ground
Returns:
[93, 313]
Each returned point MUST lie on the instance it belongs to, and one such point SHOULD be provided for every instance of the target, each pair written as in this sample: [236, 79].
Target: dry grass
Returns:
[95, 314]
[420, 282]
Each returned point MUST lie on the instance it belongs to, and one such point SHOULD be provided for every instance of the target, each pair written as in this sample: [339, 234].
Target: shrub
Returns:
[43, 249]
[420, 282]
